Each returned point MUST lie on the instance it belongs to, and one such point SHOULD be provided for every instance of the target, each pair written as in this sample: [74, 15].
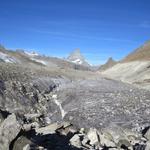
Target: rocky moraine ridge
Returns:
[52, 104]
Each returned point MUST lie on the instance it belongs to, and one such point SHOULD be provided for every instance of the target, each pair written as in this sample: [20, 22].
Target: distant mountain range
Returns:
[33, 59]
[134, 68]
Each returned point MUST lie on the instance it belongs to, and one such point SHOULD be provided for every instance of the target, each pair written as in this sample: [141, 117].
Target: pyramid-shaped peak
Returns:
[110, 59]
[77, 58]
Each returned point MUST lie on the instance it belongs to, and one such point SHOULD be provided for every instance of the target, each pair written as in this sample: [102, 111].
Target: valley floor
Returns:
[33, 100]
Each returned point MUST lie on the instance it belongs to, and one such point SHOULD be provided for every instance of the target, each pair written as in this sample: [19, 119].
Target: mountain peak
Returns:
[110, 62]
[110, 59]
[77, 58]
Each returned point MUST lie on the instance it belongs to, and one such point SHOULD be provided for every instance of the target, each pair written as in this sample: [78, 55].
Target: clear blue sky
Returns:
[100, 28]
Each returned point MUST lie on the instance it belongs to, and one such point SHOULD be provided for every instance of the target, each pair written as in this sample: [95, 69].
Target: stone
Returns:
[28, 127]
[50, 129]
[27, 147]
[147, 134]
[75, 141]
[32, 116]
[123, 142]
[147, 146]
[9, 129]
[85, 141]
[72, 130]
[54, 96]
[104, 141]
[82, 130]
[93, 136]
[22, 142]
[66, 124]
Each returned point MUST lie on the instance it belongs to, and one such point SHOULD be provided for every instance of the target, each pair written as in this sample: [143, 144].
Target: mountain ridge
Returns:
[141, 53]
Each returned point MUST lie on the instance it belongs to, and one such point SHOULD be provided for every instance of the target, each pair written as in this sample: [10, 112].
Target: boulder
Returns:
[28, 127]
[147, 146]
[147, 134]
[9, 129]
[106, 140]
[93, 136]
[27, 147]
[50, 129]
[123, 143]
[66, 124]
[22, 142]
[75, 141]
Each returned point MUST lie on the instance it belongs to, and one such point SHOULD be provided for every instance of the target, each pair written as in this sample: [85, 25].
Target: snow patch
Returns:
[77, 61]
[7, 58]
[63, 113]
[39, 61]
[32, 54]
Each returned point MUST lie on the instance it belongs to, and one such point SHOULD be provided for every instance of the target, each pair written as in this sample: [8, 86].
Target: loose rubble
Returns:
[65, 136]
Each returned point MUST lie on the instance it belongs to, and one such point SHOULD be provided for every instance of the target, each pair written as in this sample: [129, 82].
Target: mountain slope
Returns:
[134, 69]
[142, 53]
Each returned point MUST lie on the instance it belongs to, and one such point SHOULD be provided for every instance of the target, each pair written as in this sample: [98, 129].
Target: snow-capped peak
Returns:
[77, 58]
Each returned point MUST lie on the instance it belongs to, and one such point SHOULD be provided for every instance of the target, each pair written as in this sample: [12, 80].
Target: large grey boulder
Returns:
[75, 141]
[93, 136]
[9, 129]
[147, 134]
[50, 129]
[147, 146]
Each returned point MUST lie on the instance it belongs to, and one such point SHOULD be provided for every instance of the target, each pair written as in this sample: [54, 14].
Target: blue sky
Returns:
[100, 28]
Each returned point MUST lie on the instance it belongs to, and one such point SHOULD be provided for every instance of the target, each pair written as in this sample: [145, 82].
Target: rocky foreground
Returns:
[41, 109]
[28, 134]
